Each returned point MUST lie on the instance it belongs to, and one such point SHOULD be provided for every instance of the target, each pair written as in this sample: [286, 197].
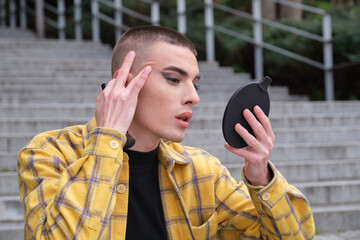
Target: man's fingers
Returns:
[123, 73]
[265, 122]
[255, 125]
[248, 138]
[138, 82]
[109, 86]
[241, 152]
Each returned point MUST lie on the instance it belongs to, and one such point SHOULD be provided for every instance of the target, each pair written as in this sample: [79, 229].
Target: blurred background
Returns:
[290, 27]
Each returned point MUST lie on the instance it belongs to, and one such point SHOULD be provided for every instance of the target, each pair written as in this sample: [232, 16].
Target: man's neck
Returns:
[143, 142]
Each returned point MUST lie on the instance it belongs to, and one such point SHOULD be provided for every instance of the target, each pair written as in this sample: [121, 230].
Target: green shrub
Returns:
[300, 77]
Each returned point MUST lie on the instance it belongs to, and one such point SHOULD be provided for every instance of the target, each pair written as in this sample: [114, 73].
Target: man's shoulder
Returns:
[67, 135]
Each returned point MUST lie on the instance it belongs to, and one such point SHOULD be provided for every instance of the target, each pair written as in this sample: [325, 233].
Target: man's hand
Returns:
[257, 153]
[116, 104]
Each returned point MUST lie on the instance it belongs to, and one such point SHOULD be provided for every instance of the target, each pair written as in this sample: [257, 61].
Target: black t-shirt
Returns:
[145, 213]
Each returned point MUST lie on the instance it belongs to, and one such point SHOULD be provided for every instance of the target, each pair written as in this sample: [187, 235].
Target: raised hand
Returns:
[257, 153]
[116, 104]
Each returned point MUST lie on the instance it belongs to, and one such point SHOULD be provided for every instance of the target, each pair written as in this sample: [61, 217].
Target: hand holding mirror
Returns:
[246, 97]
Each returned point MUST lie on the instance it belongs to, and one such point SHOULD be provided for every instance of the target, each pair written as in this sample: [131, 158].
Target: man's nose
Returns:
[192, 96]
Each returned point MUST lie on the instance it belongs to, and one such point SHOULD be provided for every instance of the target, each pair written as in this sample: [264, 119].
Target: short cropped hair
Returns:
[139, 39]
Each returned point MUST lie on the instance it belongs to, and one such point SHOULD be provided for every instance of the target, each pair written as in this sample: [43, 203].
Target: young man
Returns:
[81, 183]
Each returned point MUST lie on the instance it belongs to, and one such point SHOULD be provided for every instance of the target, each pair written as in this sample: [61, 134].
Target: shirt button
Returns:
[266, 196]
[114, 144]
[120, 188]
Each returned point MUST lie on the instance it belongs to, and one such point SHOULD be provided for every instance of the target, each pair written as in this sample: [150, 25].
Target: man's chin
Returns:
[176, 139]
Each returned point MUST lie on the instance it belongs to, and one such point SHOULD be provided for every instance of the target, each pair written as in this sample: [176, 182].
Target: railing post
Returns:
[155, 12]
[12, 8]
[95, 21]
[23, 19]
[40, 30]
[118, 18]
[61, 19]
[2, 13]
[328, 57]
[209, 28]
[257, 31]
[77, 19]
[181, 14]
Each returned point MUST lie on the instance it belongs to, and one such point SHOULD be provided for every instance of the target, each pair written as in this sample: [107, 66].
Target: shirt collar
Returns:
[169, 152]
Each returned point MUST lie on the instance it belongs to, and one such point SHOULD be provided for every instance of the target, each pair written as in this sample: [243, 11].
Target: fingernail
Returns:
[148, 69]
[257, 108]
[238, 126]
[131, 54]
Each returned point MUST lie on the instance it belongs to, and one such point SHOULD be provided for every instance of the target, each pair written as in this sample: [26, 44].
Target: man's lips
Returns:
[184, 118]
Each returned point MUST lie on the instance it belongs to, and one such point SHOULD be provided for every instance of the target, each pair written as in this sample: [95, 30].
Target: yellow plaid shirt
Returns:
[74, 185]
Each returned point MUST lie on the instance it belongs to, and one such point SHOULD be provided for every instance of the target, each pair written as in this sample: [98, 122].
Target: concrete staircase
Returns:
[46, 84]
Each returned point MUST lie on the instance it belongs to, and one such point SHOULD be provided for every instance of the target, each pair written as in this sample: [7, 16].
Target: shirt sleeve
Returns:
[275, 211]
[67, 190]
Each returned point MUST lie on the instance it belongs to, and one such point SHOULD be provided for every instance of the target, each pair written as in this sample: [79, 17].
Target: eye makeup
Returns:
[170, 76]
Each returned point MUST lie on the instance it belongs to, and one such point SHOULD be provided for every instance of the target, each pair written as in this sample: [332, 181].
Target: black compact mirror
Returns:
[246, 97]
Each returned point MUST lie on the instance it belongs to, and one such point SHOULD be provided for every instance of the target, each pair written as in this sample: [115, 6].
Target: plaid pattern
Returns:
[68, 180]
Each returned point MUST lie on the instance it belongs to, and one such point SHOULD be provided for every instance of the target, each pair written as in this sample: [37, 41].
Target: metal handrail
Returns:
[119, 10]
[301, 6]
[257, 19]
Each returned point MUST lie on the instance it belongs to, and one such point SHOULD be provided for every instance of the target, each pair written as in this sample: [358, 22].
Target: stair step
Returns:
[57, 79]
[287, 120]
[223, 95]
[297, 152]
[11, 210]
[283, 135]
[14, 34]
[11, 230]
[310, 170]
[8, 161]
[68, 50]
[45, 110]
[33, 90]
[66, 97]
[38, 124]
[334, 217]
[50, 44]
[49, 75]
[338, 235]
[8, 185]
[286, 108]
[331, 192]
[65, 65]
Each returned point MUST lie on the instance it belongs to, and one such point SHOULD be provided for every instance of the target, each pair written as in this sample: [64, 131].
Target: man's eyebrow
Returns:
[181, 71]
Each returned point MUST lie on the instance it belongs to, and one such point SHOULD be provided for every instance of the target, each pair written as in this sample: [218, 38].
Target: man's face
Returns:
[165, 103]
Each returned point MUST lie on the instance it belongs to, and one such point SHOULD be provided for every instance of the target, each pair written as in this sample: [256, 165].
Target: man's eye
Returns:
[173, 79]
